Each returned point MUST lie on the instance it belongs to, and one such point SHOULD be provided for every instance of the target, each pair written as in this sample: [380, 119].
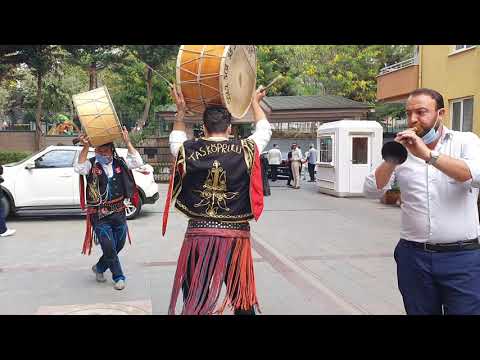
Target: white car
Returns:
[46, 183]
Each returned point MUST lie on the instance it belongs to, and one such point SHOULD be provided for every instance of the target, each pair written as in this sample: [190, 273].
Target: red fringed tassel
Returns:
[208, 250]
[135, 197]
[82, 193]
[168, 200]
[241, 281]
[87, 242]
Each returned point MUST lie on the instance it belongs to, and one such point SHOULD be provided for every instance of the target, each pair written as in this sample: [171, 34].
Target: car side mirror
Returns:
[30, 165]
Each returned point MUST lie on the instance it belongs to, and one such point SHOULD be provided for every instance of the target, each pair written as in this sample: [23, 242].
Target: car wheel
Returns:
[130, 210]
[5, 205]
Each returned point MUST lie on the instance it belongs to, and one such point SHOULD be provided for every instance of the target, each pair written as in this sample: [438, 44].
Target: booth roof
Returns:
[351, 124]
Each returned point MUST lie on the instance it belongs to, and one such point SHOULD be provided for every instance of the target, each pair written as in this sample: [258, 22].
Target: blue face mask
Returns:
[104, 160]
[431, 135]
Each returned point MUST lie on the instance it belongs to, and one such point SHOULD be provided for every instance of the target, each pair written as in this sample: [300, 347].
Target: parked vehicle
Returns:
[46, 183]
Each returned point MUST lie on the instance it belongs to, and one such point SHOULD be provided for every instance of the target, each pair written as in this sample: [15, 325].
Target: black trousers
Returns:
[274, 172]
[311, 171]
[290, 174]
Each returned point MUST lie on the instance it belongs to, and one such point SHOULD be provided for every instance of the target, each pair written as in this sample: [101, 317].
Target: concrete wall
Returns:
[17, 140]
[454, 75]
[57, 140]
[25, 140]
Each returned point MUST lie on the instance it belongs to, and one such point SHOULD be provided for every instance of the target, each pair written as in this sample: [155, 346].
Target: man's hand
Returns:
[259, 95]
[84, 140]
[127, 141]
[414, 144]
[126, 138]
[177, 96]
[86, 146]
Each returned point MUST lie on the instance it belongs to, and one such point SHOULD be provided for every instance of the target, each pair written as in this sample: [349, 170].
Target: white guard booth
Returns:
[348, 150]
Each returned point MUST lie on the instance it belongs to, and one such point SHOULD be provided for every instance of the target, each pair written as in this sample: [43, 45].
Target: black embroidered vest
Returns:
[216, 180]
[97, 181]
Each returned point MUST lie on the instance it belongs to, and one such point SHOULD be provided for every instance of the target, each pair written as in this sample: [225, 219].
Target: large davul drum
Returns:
[222, 75]
[98, 117]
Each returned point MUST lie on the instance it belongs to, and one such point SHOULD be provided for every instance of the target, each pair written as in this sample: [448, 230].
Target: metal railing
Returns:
[399, 65]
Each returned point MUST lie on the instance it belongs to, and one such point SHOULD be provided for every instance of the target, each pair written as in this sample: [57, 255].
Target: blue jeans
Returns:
[111, 233]
[3, 225]
[436, 283]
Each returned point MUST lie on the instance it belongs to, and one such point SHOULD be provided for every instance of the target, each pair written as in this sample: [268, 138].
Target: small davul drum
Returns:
[222, 75]
[98, 117]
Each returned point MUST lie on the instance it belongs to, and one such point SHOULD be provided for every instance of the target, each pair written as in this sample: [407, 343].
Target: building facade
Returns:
[452, 70]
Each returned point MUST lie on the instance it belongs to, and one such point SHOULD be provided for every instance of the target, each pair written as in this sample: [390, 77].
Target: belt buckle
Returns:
[425, 248]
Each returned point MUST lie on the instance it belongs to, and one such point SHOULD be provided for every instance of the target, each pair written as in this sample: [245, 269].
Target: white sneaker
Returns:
[99, 276]
[9, 232]
[119, 285]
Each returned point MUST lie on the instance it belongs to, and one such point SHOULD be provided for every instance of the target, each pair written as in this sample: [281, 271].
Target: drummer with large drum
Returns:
[216, 180]
[109, 181]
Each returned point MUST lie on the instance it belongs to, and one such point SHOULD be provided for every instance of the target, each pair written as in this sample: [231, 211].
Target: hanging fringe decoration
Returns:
[205, 252]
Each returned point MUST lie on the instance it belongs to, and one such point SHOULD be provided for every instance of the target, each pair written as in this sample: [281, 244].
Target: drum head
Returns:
[238, 78]
[98, 117]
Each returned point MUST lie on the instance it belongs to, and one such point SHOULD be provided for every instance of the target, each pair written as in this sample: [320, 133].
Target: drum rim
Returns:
[221, 84]
[178, 66]
[178, 82]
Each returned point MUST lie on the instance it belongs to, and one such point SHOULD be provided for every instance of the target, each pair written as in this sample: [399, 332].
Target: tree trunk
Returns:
[141, 122]
[92, 71]
[38, 115]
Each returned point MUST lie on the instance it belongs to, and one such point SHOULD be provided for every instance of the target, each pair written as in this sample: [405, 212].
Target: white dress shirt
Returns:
[133, 161]
[297, 154]
[436, 208]
[261, 136]
[274, 157]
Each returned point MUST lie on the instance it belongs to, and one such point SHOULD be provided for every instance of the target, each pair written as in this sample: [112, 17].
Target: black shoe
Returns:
[244, 312]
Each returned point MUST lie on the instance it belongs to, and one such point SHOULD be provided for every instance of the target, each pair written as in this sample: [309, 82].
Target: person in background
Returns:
[266, 185]
[274, 160]
[311, 156]
[289, 166]
[296, 164]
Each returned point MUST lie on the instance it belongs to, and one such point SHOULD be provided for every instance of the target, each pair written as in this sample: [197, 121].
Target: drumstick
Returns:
[271, 83]
[166, 80]
[163, 77]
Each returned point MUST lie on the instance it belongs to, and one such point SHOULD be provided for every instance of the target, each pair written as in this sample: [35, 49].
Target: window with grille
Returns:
[360, 150]
[325, 151]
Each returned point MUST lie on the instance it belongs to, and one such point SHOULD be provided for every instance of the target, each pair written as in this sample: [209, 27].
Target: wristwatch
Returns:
[434, 155]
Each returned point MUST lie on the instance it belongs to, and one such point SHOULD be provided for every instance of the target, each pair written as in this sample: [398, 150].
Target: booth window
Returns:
[326, 150]
[360, 150]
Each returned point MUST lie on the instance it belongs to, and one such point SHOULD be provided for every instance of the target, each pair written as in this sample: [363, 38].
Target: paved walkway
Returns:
[313, 254]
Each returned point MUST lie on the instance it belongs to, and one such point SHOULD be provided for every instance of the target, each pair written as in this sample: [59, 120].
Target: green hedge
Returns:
[7, 157]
